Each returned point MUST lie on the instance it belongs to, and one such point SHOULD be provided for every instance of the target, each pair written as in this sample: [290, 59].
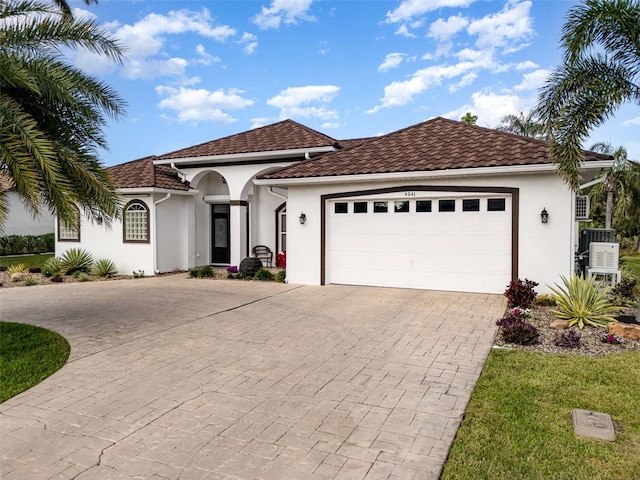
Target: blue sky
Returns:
[201, 70]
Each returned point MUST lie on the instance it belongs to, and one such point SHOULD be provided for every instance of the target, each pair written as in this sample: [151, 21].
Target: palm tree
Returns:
[600, 72]
[65, 9]
[51, 113]
[525, 124]
[469, 118]
[614, 182]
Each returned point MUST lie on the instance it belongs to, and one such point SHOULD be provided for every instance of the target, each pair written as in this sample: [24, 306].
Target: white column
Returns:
[238, 233]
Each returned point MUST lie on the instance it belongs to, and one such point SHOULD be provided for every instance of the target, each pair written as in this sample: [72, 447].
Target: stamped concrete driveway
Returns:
[177, 378]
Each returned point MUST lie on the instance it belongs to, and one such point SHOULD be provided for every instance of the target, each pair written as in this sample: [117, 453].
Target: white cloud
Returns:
[294, 101]
[198, 105]
[144, 43]
[403, 31]
[533, 80]
[205, 57]
[392, 60]
[249, 43]
[414, 8]
[329, 125]
[466, 80]
[260, 122]
[445, 29]
[287, 11]
[502, 29]
[526, 65]
[632, 122]
[400, 93]
[491, 107]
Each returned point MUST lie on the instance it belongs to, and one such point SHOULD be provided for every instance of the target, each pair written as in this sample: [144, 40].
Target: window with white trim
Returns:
[136, 222]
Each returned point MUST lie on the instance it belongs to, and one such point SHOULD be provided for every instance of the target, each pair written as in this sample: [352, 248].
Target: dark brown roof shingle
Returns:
[285, 135]
[143, 173]
[437, 144]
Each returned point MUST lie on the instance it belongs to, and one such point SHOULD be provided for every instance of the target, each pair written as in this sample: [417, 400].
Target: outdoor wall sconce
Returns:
[302, 218]
[544, 215]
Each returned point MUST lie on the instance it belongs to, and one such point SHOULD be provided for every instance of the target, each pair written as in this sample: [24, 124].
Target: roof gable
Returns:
[437, 144]
[142, 173]
[285, 135]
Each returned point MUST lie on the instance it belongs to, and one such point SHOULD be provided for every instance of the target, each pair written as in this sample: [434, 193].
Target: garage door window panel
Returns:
[359, 207]
[380, 207]
[401, 206]
[446, 205]
[496, 205]
[423, 206]
[341, 207]
[471, 205]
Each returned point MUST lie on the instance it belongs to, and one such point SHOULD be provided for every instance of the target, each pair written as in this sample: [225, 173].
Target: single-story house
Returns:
[439, 205]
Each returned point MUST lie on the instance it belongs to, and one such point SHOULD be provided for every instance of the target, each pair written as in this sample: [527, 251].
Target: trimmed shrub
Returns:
[25, 244]
[264, 275]
[516, 330]
[205, 272]
[545, 300]
[567, 339]
[249, 267]
[520, 333]
[521, 293]
[104, 268]
[76, 259]
[281, 276]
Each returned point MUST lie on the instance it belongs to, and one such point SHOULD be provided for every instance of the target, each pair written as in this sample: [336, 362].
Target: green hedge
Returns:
[26, 244]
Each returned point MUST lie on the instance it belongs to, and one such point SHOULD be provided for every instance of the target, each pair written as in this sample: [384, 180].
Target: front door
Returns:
[220, 235]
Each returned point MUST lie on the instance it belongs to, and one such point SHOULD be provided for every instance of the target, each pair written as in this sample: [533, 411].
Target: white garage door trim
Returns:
[411, 193]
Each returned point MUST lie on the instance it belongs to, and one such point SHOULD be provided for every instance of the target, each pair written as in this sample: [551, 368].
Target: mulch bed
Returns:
[590, 337]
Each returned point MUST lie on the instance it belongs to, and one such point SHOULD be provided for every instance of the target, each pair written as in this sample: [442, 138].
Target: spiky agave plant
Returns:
[76, 260]
[583, 302]
[105, 268]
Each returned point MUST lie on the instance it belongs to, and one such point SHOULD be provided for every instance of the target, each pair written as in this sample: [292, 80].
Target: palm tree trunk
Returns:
[609, 209]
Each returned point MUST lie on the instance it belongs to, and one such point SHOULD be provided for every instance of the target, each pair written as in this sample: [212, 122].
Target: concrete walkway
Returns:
[177, 378]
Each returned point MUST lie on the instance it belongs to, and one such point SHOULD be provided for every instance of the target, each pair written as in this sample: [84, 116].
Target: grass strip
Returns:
[518, 423]
[27, 260]
[28, 355]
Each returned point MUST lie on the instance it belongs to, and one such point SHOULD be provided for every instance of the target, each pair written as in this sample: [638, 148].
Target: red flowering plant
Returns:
[281, 260]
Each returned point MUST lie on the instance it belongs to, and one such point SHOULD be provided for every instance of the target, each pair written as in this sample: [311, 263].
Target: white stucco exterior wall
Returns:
[20, 220]
[545, 250]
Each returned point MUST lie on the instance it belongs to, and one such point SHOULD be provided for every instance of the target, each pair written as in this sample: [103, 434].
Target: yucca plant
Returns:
[104, 268]
[17, 268]
[583, 302]
[29, 281]
[52, 267]
[81, 276]
[76, 259]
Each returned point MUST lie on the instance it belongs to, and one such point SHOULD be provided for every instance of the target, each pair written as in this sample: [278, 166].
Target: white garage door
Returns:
[428, 240]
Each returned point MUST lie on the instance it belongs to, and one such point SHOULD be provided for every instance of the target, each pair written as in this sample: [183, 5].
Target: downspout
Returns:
[155, 232]
[181, 174]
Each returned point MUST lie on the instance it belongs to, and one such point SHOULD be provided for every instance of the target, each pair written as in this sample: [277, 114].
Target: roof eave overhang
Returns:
[248, 157]
[425, 175]
[148, 190]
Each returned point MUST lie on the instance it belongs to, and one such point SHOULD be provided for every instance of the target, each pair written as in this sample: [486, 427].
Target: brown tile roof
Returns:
[285, 135]
[436, 144]
[143, 173]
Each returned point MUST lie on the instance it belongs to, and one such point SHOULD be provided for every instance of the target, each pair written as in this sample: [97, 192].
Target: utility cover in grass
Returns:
[593, 424]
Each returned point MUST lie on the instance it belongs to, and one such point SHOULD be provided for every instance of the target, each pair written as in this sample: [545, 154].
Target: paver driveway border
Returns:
[177, 378]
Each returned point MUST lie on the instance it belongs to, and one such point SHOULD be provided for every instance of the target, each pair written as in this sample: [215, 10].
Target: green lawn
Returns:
[28, 260]
[28, 355]
[632, 262]
[519, 426]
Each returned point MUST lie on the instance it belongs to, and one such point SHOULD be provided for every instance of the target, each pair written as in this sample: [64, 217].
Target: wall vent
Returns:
[582, 207]
[603, 255]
